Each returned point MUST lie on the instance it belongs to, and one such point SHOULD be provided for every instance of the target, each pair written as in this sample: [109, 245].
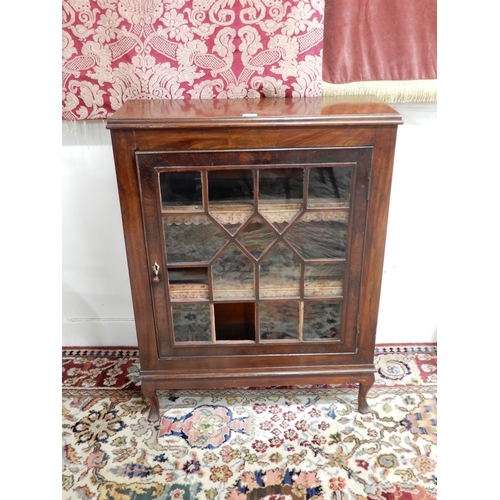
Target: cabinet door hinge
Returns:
[368, 189]
[357, 327]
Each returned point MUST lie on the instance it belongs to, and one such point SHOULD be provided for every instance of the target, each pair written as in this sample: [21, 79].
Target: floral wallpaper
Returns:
[115, 50]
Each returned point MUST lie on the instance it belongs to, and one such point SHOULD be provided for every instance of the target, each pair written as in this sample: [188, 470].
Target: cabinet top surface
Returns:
[327, 110]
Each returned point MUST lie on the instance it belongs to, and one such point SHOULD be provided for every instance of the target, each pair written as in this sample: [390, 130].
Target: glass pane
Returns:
[187, 275]
[329, 185]
[181, 189]
[280, 273]
[322, 320]
[230, 197]
[324, 279]
[281, 185]
[188, 282]
[233, 275]
[279, 320]
[280, 226]
[324, 238]
[256, 237]
[192, 322]
[281, 194]
[232, 227]
[230, 187]
[198, 241]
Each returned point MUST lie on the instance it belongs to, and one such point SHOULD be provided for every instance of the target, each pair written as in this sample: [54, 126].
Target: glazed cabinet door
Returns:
[256, 251]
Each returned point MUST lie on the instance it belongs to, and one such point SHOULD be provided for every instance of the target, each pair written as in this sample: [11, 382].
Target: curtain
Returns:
[392, 41]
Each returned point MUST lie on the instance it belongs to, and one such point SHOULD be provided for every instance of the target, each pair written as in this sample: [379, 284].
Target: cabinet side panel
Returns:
[376, 228]
[135, 244]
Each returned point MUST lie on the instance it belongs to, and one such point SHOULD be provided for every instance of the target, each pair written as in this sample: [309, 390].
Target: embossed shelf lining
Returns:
[274, 214]
[194, 291]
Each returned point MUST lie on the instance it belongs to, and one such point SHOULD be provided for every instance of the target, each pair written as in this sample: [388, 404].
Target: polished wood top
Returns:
[327, 110]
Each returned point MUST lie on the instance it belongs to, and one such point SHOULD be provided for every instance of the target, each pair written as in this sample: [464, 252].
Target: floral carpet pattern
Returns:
[286, 443]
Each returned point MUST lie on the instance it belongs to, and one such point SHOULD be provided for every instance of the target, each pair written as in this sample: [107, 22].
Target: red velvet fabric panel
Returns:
[370, 40]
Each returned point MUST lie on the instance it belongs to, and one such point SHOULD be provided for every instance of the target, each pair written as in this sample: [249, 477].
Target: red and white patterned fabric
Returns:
[115, 50]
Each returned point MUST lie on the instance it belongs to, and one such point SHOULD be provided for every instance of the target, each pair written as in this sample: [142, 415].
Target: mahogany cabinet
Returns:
[255, 233]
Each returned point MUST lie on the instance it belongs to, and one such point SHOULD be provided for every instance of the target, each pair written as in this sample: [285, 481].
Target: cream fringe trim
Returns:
[388, 90]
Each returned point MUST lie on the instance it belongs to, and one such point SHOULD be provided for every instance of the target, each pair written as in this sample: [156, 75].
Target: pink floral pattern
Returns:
[115, 50]
[204, 427]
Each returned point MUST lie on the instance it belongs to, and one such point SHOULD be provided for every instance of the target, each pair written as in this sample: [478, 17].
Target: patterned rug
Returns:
[287, 443]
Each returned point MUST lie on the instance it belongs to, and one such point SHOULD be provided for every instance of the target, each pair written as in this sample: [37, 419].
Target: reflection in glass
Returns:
[280, 273]
[233, 275]
[324, 279]
[188, 282]
[319, 239]
[230, 187]
[192, 242]
[187, 275]
[281, 194]
[279, 320]
[281, 185]
[322, 320]
[256, 237]
[192, 322]
[230, 197]
[280, 226]
[229, 226]
[329, 185]
[180, 189]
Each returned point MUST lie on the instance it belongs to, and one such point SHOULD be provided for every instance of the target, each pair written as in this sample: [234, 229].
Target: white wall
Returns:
[97, 305]
[408, 295]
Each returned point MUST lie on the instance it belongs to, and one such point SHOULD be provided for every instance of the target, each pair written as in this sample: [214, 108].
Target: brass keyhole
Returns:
[156, 269]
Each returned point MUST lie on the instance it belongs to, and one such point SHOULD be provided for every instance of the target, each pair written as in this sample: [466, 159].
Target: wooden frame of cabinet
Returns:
[219, 140]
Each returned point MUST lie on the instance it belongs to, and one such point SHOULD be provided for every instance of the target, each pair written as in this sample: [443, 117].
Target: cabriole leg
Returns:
[148, 389]
[364, 386]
